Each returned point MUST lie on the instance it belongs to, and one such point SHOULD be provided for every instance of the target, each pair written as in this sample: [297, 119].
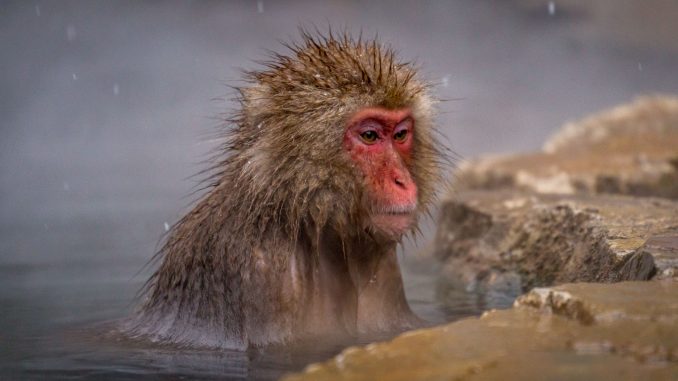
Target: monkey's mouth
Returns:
[397, 209]
[395, 220]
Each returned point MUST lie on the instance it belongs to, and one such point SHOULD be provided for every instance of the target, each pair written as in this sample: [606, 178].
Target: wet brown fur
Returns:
[282, 182]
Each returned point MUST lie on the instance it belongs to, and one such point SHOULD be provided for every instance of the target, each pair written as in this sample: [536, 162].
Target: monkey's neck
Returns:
[360, 285]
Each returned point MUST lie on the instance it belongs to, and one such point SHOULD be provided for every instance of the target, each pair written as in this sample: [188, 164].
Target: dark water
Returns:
[104, 105]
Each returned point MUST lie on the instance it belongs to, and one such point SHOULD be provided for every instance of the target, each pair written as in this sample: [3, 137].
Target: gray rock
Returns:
[488, 238]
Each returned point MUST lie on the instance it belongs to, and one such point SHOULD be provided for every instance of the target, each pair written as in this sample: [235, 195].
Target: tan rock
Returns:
[622, 331]
[630, 149]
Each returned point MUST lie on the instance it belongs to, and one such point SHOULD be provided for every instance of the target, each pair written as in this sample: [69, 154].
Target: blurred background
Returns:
[107, 106]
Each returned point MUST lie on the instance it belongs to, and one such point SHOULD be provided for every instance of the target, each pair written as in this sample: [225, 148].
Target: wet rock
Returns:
[511, 241]
[621, 331]
[631, 149]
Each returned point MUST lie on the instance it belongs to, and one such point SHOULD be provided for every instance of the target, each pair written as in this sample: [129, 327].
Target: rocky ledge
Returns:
[597, 205]
[506, 242]
[588, 208]
[625, 331]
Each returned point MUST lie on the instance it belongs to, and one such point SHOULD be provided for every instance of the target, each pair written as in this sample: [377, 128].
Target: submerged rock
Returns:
[631, 149]
[622, 331]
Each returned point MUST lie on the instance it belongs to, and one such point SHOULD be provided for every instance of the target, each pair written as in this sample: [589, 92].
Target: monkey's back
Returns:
[214, 288]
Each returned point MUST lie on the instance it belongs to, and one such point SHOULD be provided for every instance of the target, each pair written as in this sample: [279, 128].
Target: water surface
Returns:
[57, 315]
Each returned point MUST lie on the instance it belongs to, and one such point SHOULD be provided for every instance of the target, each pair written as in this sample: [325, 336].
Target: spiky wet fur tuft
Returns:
[281, 181]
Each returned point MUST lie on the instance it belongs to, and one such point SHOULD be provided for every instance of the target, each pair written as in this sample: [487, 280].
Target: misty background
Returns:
[107, 108]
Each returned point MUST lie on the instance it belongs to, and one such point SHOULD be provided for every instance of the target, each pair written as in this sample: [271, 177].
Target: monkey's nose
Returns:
[404, 188]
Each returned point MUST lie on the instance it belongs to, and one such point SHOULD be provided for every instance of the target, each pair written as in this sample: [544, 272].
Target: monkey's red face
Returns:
[380, 141]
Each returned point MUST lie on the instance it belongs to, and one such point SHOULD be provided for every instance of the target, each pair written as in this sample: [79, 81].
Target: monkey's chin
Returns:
[393, 225]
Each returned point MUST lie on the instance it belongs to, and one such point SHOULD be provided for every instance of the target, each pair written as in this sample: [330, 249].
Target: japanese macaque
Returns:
[328, 163]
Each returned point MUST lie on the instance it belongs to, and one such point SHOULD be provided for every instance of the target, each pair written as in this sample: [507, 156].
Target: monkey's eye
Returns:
[369, 136]
[400, 136]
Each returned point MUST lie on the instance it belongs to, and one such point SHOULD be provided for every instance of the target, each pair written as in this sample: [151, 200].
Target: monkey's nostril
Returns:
[399, 182]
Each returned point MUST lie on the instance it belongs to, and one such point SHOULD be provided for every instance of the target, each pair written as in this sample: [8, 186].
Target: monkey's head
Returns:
[380, 143]
[337, 134]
